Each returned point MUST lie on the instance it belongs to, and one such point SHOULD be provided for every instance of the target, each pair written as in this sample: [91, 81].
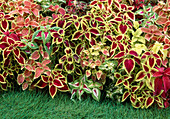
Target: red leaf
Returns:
[57, 83]
[151, 62]
[129, 65]
[149, 102]
[27, 73]
[20, 60]
[94, 31]
[157, 74]
[2, 79]
[34, 23]
[166, 81]
[125, 95]
[52, 90]
[20, 79]
[132, 52]
[4, 24]
[65, 88]
[119, 55]
[77, 34]
[38, 72]
[131, 15]
[3, 45]
[99, 19]
[16, 52]
[41, 84]
[123, 28]
[93, 2]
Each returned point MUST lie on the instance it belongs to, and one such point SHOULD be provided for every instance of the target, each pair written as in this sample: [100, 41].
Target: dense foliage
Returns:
[119, 48]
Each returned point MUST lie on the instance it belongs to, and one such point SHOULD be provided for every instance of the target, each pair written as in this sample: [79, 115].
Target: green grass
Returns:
[27, 104]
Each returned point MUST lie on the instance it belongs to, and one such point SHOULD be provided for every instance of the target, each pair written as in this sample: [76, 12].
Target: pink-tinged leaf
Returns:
[94, 31]
[131, 15]
[34, 23]
[166, 82]
[88, 73]
[93, 2]
[105, 52]
[52, 90]
[35, 12]
[129, 65]
[98, 62]
[149, 101]
[125, 95]
[99, 74]
[29, 67]
[27, 73]
[24, 86]
[62, 11]
[134, 53]
[45, 62]
[20, 79]
[162, 20]
[57, 83]
[123, 28]
[119, 81]
[99, 19]
[119, 55]
[16, 51]
[140, 75]
[77, 35]
[38, 72]
[35, 55]
[2, 79]
[4, 25]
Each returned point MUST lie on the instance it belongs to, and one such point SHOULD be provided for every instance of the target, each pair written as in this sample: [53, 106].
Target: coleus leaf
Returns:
[123, 28]
[24, 86]
[129, 65]
[149, 101]
[125, 95]
[38, 72]
[52, 90]
[35, 55]
[96, 94]
[35, 34]
[94, 31]
[119, 81]
[74, 85]
[2, 79]
[57, 83]
[77, 35]
[140, 75]
[88, 73]
[20, 79]
[86, 89]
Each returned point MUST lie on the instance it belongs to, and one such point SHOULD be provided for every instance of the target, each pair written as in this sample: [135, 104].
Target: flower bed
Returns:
[105, 46]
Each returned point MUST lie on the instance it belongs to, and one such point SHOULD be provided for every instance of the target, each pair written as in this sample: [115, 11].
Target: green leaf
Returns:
[55, 28]
[96, 94]
[48, 37]
[32, 45]
[35, 34]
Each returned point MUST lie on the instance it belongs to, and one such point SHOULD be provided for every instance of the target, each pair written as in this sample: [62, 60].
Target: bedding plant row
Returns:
[88, 48]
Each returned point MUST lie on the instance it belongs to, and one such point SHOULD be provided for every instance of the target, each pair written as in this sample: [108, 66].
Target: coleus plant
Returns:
[84, 85]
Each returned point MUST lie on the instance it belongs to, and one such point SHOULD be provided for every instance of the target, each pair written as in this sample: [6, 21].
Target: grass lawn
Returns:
[29, 104]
